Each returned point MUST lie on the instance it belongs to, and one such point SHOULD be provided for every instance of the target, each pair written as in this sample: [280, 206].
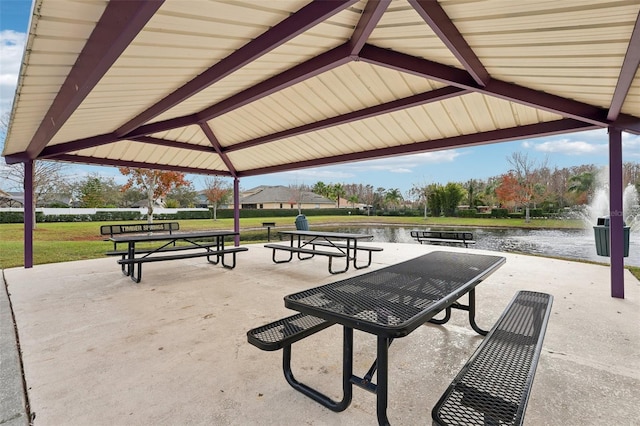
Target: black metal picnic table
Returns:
[390, 303]
[340, 244]
[211, 242]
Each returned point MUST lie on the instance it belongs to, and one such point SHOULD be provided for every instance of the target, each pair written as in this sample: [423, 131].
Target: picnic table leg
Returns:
[233, 265]
[447, 317]
[215, 262]
[136, 277]
[347, 370]
[363, 266]
[472, 313]
[383, 380]
[131, 253]
[131, 267]
[219, 246]
[471, 308]
[273, 257]
[125, 268]
[331, 271]
[300, 245]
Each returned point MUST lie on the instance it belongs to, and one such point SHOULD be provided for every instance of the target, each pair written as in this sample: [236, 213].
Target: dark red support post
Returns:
[236, 209]
[29, 213]
[616, 217]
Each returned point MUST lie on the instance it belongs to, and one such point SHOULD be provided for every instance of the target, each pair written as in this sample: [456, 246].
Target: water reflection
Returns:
[572, 244]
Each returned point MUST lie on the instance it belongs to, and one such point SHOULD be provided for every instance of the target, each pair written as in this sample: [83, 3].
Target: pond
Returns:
[567, 243]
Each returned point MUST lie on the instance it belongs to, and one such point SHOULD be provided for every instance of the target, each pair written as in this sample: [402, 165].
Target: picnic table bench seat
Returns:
[493, 387]
[124, 253]
[191, 253]
[369, 249]
[207, 253]
[305, 250]
[283, 332]
[342, 245]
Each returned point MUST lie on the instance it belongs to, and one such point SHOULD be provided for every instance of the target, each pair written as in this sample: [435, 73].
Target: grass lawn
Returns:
[67, 241]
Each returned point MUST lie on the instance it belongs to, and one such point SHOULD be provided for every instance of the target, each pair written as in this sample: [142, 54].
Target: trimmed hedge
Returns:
[402, 212]
[536, 213]
[103, 216]
[13, 217]
[106, 216]
[468, 213]
[499, 213]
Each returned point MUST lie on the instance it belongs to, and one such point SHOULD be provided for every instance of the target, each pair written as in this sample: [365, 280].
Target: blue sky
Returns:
[403, 172]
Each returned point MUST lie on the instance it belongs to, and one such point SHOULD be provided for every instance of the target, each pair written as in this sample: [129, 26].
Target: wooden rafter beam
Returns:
[216, 146]
[371, 15]
[119, 24]
[627, 72]
[441, 24]
[567, 108]
[137, 164]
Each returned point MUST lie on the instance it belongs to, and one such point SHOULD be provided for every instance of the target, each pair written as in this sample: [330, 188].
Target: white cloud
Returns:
[595, 142]
[11, 49]
[630, 147]
[300, 176]
[345, 172]
[568, 146]
[405, 163]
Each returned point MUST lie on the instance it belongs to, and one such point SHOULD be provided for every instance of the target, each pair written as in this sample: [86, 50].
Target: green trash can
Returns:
[601, 233]
[302, 224]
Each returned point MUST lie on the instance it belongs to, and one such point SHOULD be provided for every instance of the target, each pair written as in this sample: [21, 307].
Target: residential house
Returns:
[16, 199]
[11, 199]
[282, 197]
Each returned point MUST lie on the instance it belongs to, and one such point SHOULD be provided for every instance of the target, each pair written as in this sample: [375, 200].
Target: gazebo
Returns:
[248, 87]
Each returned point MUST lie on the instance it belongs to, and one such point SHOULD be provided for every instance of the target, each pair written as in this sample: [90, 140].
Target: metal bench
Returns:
[137, 228]
[310, 252]
[370, 249]
[123, 253]
[448, 237]
[493, 387]
[283, 332]
[136, 273]
[128, 228]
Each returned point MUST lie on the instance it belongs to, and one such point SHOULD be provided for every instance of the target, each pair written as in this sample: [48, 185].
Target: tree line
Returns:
[527, 184]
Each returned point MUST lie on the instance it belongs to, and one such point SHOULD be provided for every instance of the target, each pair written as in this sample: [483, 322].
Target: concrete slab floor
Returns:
[99, 349]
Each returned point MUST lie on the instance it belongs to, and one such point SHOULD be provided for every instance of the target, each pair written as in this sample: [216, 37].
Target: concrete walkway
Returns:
[99, 349]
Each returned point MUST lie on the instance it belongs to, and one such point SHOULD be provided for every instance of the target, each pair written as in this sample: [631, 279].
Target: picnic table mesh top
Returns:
[399, 297]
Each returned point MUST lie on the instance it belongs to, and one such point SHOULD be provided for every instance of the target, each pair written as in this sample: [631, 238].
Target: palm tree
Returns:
[320, 188]
[393, 197]
[582, 183]
[353, 200]
[338, 192]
